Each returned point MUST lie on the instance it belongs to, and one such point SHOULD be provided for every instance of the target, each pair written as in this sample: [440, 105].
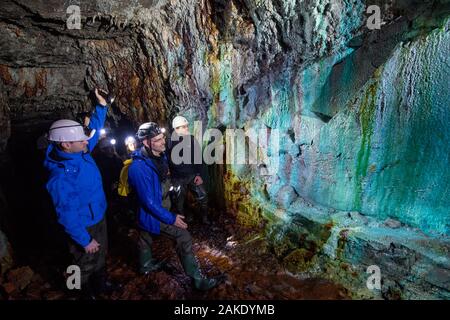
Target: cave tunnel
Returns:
[342, 193]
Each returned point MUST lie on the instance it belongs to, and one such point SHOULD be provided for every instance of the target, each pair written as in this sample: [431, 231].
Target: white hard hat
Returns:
[179, 121]
[67, 131]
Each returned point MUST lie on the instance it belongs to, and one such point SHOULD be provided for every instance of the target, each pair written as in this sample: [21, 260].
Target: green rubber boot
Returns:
[192, 269]
[204, 215]
[147, 264]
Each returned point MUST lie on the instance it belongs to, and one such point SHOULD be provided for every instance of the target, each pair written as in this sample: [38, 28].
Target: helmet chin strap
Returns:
[150, 152]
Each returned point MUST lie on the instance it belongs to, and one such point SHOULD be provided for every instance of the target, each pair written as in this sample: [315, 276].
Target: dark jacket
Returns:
[194, 166]
[110, 167]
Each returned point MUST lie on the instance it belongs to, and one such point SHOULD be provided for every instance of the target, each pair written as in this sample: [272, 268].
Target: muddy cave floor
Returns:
[253, 272]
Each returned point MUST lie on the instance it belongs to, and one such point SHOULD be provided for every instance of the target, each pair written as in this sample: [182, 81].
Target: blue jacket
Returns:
[75, 185]
[144, 180]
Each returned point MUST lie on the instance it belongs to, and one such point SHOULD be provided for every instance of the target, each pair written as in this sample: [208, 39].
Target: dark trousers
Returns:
[182, 238]
[91, 263]
[199, 192]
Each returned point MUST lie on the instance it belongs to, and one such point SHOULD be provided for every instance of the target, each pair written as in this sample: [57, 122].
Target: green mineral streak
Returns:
[215, 89]
[222, 87]
[366, 117]
[279, 115]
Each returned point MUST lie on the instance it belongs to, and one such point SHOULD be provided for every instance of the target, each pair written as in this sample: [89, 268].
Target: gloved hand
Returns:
[104, 97]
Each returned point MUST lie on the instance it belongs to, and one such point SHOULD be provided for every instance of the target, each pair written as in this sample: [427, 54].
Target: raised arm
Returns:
[97, 120]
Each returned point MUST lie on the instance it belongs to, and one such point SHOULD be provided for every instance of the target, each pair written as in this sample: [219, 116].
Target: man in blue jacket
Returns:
[75, 186]
[148, 177]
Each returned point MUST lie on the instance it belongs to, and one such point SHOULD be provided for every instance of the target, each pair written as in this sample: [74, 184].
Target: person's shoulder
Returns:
[58, 178]
[138, 160]
[55, 168]
[136, 165]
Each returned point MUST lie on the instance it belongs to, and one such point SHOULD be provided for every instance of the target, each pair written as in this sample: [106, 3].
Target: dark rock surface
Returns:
[349, 97]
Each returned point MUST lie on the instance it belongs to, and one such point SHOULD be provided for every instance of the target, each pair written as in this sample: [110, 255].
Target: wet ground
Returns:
[252, 270]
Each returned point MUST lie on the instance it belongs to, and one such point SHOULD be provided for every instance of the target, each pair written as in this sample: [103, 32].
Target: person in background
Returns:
[188, 175]
[109, 164]
[131, 145]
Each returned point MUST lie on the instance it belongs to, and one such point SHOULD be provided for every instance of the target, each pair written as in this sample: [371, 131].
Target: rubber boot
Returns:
[192, 269]
[87, 291]
[188, 217]
[204, 215]
[147, 264]
[101, 285]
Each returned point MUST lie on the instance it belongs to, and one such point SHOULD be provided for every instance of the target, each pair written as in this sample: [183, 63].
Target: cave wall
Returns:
[157, 57]
[363, 130]
[361, 175]
[362, 113]
[386, 153]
